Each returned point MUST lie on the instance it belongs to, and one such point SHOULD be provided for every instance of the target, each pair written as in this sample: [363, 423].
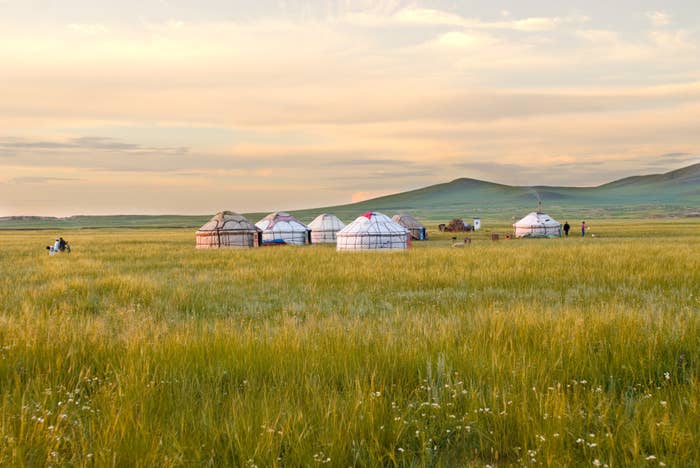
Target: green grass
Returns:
[139, 350]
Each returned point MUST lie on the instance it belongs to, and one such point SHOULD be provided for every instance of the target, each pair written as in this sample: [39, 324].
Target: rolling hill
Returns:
[675, 193]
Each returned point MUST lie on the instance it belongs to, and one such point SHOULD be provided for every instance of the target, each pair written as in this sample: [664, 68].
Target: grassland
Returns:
[138, 350]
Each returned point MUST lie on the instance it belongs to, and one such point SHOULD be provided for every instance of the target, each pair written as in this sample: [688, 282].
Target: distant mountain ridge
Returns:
[674, 193]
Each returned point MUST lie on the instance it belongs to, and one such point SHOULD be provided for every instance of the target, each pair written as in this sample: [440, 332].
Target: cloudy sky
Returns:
[184, 106]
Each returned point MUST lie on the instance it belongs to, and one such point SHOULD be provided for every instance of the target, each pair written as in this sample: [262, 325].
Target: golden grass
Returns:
[138, 350]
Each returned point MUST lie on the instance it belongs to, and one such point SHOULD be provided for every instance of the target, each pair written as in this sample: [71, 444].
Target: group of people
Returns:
[567, 228]
[60, 245]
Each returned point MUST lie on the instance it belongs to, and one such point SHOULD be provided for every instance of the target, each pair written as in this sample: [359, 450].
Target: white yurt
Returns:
[227, 230]
[416, 229]
[324, 228]
[373, 231]
[537, 224]
[283, 228]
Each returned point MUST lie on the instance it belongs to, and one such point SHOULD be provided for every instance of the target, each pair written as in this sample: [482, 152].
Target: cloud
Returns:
[659, 18]
[674, 158]
[41, 180]
[428, 17]
[369, 162]
[675, 155]
[88, 142]
[88, 29]
[386, 174]
[598, 36]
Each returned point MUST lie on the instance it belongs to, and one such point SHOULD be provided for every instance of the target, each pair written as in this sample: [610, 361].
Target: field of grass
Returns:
[137, 349]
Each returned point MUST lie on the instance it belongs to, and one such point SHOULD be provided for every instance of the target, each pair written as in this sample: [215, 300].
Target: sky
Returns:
[192, 107]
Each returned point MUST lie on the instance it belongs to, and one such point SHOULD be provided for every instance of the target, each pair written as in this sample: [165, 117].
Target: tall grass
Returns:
[138, 350]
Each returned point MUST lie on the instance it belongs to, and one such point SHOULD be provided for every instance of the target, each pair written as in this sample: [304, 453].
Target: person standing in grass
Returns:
[566, 228]
[583, 229]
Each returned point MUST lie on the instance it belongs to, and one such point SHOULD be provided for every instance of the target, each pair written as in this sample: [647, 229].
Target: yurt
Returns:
[227, 229]
[373, 231]
[416, 229]
[537, 224]
[324, 228]
[283, 228]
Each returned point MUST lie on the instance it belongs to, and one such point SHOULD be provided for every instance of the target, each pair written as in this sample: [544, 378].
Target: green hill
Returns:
[675, 193]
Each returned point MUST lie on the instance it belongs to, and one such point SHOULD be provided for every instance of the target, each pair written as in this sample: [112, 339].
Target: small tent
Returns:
[324, 228]
[373, 231]
[416, 229]
[537, 224]
[283, 228]
[227, 229]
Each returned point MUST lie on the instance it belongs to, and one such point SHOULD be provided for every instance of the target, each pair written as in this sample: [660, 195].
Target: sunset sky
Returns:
[184, 106]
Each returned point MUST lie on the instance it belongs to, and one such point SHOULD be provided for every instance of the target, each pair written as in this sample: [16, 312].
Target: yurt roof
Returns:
[537, 219]
[408, 221]
[373, 222]
[326, 222]
[281, 221]
[228, 221]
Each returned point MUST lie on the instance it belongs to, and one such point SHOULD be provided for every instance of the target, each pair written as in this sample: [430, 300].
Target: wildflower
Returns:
[400, 449]
[596, 462]
[651, 457]
[664, 403]
[667, 375]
